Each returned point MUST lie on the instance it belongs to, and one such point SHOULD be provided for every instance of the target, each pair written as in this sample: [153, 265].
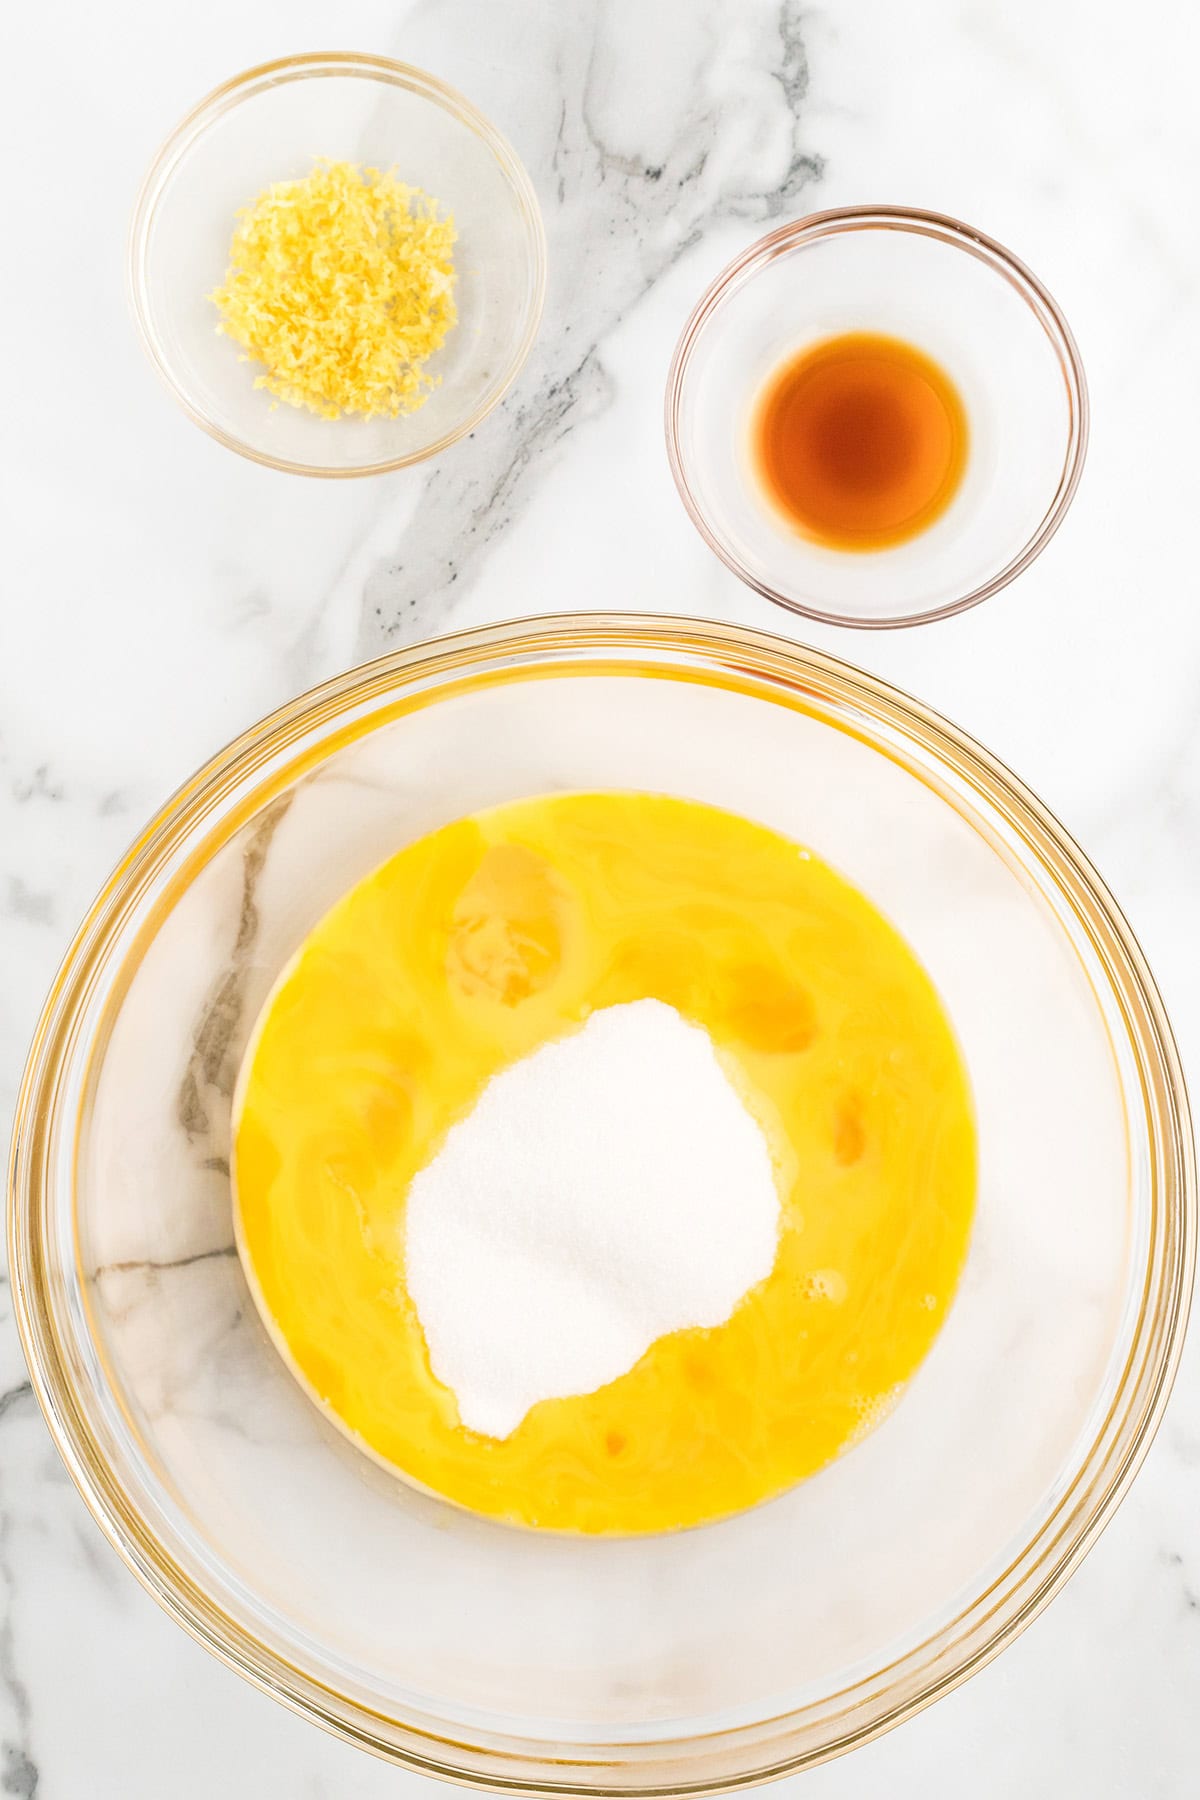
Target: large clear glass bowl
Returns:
[681, 1663]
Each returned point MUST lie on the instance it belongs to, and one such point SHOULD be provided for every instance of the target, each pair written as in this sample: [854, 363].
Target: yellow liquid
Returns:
[478, 943]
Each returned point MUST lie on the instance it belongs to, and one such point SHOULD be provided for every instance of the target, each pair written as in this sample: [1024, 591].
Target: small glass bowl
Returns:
[953, 293]
[270, 124]
[545, 1663]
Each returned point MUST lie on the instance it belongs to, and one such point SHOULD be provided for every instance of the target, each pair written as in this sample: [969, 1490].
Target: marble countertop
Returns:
[160, 593]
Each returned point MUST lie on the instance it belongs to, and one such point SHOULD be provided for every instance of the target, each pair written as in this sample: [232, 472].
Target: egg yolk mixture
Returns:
[463, 954]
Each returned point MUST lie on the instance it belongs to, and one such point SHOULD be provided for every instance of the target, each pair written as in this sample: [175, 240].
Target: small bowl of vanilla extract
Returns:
[876, 416]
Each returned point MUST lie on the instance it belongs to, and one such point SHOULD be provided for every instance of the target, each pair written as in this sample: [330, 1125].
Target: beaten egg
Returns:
[478, 943]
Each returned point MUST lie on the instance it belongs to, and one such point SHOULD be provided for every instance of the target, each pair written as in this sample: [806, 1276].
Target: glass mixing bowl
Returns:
[269, 125]
[680, 1663]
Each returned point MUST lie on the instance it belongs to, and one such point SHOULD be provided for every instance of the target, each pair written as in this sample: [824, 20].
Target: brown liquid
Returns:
[860, 441]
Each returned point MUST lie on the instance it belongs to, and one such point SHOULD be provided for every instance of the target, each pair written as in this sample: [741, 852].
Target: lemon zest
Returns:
[341, 284]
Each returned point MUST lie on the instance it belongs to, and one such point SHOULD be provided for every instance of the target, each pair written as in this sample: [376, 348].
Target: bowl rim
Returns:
[718, 1760]
[834, 222]
[311, 65]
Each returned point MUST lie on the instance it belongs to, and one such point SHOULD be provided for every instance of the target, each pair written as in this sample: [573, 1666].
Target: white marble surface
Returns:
[159, 593]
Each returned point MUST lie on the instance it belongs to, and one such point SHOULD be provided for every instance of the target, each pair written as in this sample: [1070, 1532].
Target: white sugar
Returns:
[608, 1189]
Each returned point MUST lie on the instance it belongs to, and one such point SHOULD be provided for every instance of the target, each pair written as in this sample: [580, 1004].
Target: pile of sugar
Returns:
[609, 1188]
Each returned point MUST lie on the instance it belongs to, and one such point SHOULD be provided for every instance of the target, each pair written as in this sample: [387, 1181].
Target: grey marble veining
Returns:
[721, 141]
[158, 594]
